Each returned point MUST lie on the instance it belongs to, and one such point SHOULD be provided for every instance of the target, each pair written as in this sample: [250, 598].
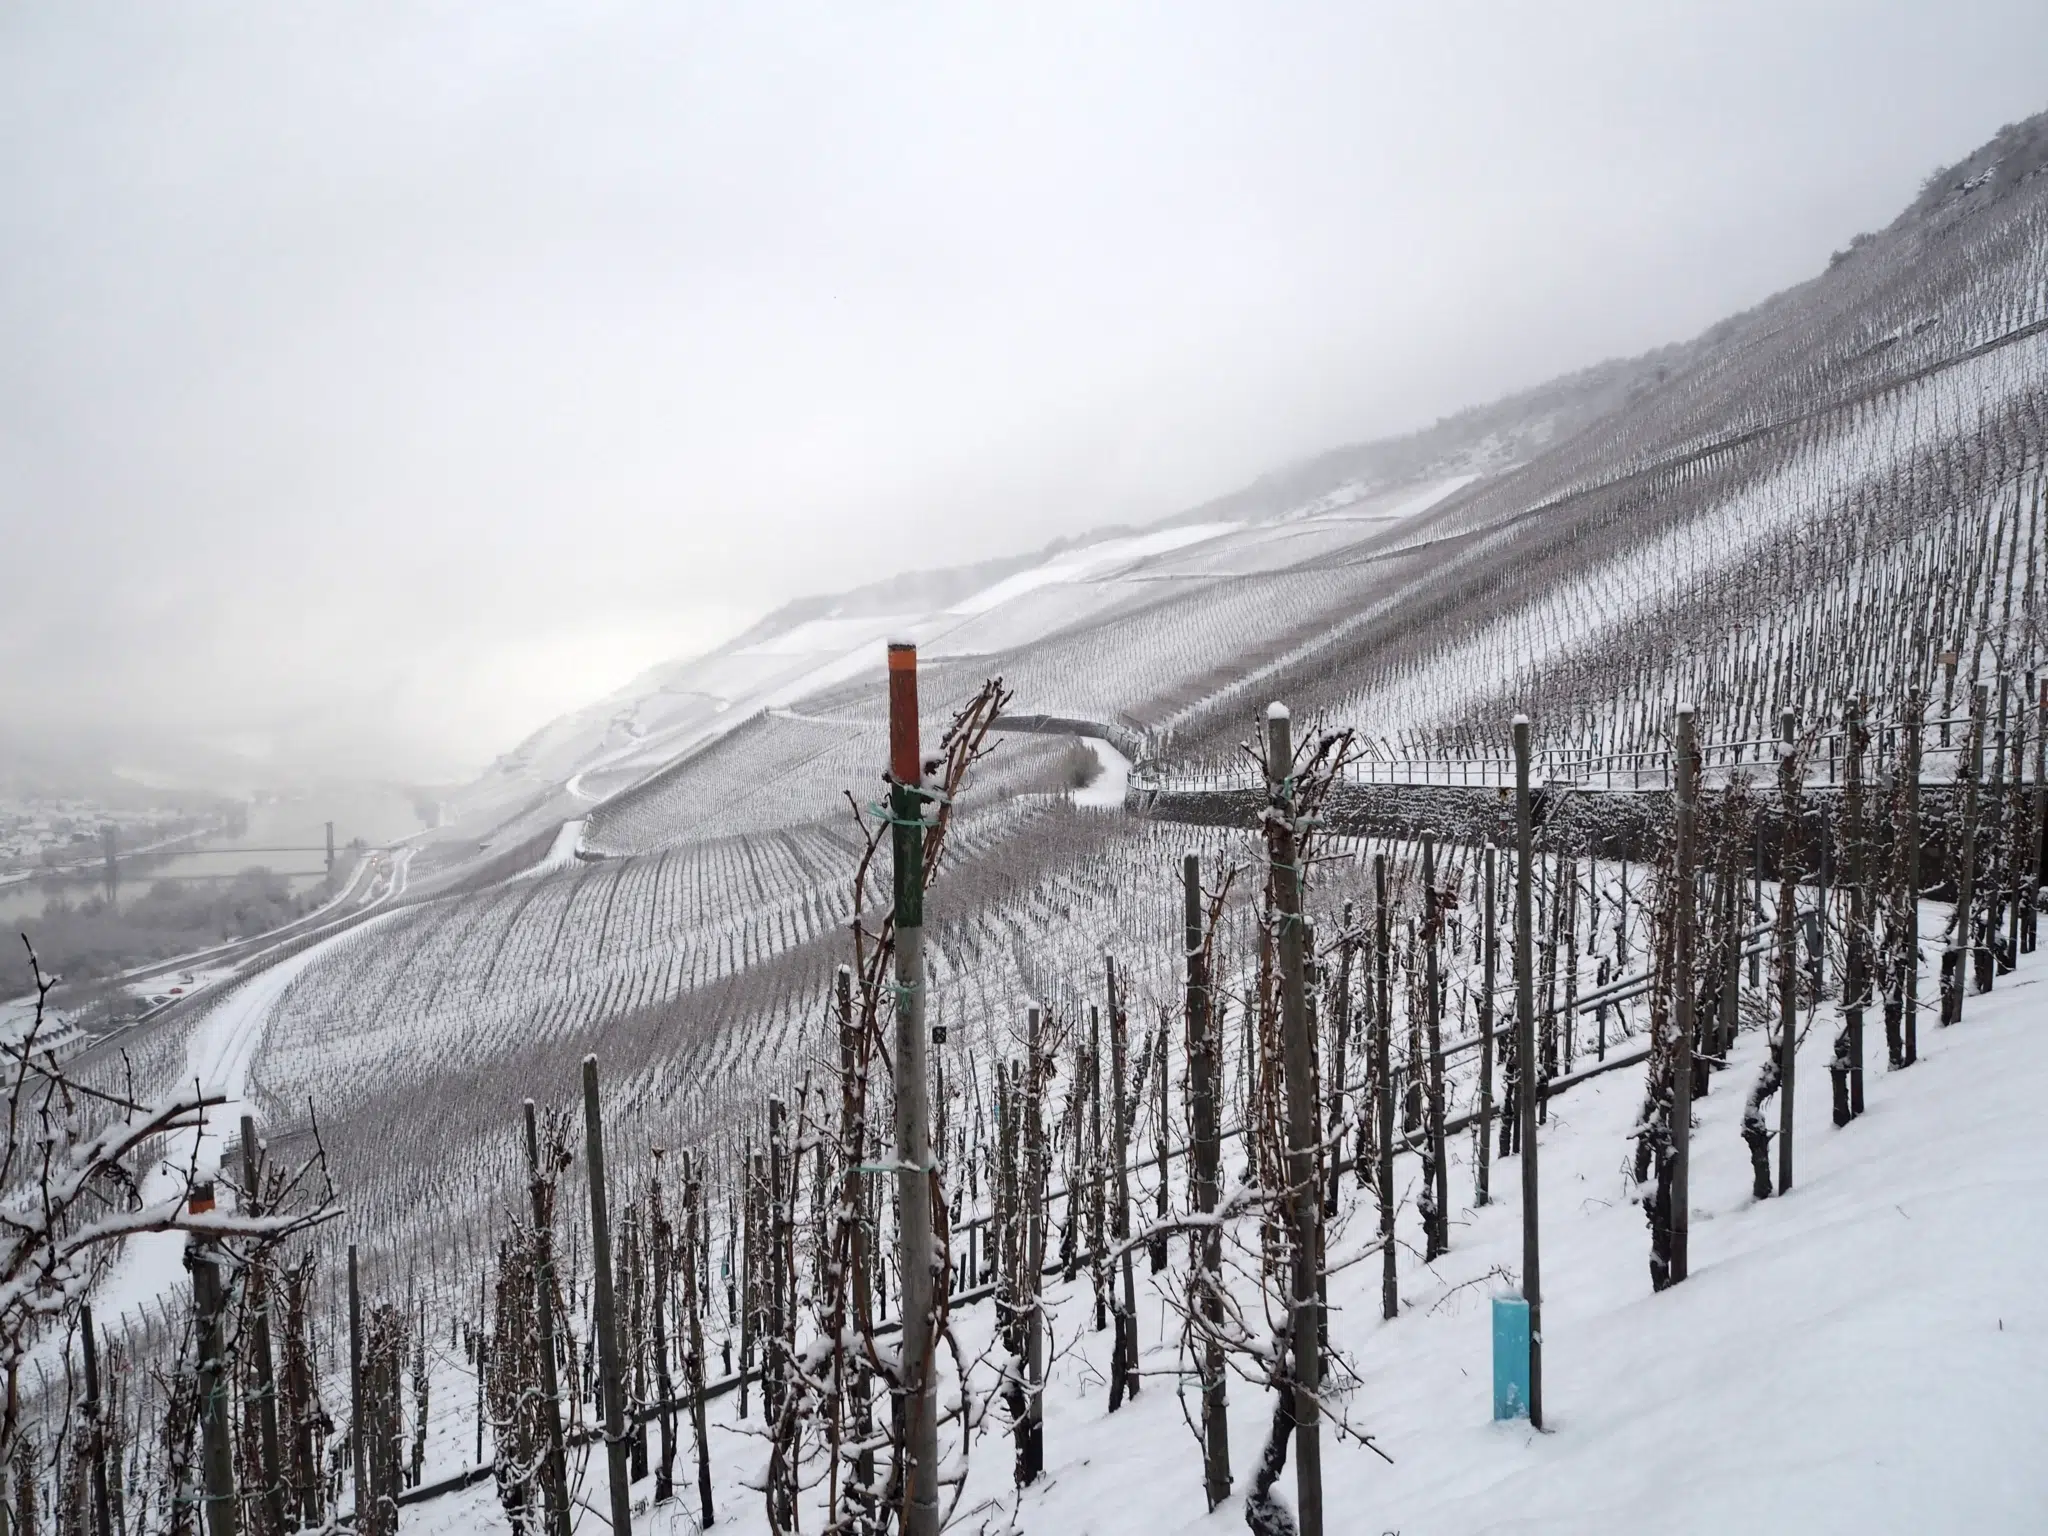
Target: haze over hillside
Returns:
[1349, 896]
[377, 393]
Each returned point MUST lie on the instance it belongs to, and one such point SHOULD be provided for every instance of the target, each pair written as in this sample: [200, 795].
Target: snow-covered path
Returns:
[1106, 790]
[217, 1058]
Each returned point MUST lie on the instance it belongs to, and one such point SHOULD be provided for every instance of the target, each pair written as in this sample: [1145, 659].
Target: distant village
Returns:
[41, 834]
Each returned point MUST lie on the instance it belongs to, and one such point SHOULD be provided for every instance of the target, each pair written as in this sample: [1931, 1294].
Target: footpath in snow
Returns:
[217, 1058]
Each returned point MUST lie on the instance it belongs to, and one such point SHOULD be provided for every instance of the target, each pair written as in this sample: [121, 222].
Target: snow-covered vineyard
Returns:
[1233, 1119]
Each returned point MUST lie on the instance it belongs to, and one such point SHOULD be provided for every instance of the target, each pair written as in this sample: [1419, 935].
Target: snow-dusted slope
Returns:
[1863, 1356]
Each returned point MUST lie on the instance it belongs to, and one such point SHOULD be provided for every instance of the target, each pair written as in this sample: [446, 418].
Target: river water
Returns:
[376, 814]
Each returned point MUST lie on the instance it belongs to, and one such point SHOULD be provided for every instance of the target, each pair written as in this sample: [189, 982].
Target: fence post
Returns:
[693, 1304]
[1684, 789]
[1856, 971]
[1975, 926]
[217, 1452]
[610, 1376]
[914, 1166]
[259, 1343]
[1482, 1175]
[358, 1449]
[96, 1427]
[1910, 953]
[1296, 1063]
[1124, 1342]
[1438, 1239]
[1788, 945]
[1525, 1059]
[1206, 1155]
[1032, 1165]
[554, 1474]
[1383, 1084]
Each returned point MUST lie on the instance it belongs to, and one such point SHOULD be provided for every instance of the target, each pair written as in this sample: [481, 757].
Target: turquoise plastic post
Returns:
[1510, 1357]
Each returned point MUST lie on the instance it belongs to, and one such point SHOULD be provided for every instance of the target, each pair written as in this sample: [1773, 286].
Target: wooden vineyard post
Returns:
[1098, 1231]
[1032, 1165]
[1788, 944]
[1848, 1100]
[1383, 1085]
[95, 1408]
[259, 1347]
[1483, 1163]
[774, 1357]
[2036, 848]
[693, 1305]
[555, 1473]
[1685, 783]
[1955, 955]
[914, 1166]
[359, 1470]
[853, 1139]
[1525, 1058]
[1340, 1048]
[1909, 955]
[1162, 1142]
[1123, 1371]
[610, 1373]
[1204, 1063]
[660, 1245]
[1728, 891]
[1302, 1136]
[216, 1436]
[1438, 1241]
[1971, 926]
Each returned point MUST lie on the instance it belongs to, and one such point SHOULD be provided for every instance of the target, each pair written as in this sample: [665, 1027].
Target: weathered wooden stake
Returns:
[693, 1305]
[1383, 1083]
[554, 1472]
[610, 1371]
[358, 1444]
[1488, 946]
[259, 1345]
[1204, 1071]
[96, 1428]
[1525, 1060]
[1031, 1440]
[1297, 1048]
[1124, 1343]
[1685, 774]
[1788, 945]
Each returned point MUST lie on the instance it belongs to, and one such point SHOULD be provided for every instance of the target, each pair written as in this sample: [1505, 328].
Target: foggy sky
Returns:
[378, 381]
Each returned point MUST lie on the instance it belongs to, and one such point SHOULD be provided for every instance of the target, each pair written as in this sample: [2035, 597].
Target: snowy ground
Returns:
[1106, 790]
[216, 1059]
[1865, 1355]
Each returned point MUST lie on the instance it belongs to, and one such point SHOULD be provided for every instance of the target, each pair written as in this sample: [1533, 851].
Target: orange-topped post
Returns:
[915, 1170]
[904, 764]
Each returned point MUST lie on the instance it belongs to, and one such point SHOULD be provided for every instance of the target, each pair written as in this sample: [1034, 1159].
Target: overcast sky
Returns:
[378, 381]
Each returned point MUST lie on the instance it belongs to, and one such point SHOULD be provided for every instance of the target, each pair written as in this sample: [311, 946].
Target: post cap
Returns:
[1277, 711]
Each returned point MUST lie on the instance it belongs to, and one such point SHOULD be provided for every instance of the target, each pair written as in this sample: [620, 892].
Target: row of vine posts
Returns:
[868, 1396]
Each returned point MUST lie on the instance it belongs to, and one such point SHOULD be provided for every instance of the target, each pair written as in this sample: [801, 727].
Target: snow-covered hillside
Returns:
[1862, 1356]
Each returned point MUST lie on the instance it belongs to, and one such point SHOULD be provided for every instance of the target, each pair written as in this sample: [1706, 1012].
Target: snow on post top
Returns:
[1521, 720]
[1277, 711]
[1685, 709]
